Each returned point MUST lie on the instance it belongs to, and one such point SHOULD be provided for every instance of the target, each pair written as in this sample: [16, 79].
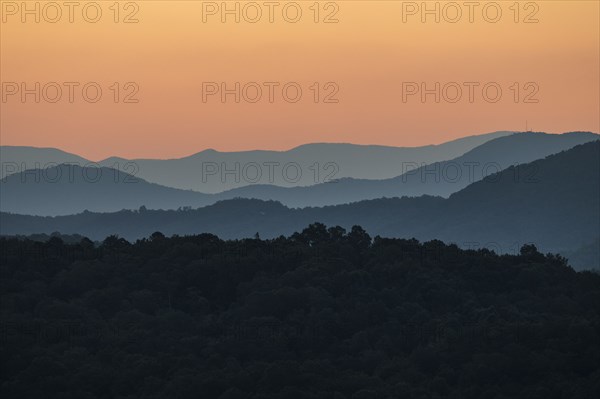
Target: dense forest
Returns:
[324, 313]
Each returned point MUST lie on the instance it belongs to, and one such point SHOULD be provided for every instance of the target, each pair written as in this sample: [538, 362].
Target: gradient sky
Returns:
[369, 53]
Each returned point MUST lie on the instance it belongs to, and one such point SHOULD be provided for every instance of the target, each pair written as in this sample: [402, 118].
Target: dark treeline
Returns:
[324, 313]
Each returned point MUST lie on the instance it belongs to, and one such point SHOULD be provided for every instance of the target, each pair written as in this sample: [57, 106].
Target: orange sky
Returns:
[369, 54]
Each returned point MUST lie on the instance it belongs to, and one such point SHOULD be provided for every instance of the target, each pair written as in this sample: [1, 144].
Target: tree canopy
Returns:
[324, 313]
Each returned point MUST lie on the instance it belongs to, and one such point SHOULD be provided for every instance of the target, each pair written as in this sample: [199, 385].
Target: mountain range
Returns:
[206, 171]
[557, 209]
[438, 179]
[68, 189]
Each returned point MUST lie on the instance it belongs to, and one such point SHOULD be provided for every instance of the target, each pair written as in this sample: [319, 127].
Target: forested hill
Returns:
[324, 313]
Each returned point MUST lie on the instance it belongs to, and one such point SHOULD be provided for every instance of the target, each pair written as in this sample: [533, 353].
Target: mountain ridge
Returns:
[187, 172]
[498, 211]
[24, 195]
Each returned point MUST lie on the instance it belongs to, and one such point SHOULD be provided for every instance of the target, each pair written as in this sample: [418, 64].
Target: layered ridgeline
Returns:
[438, 178]
[15, 159]
[63, 190]
[553, 202]
[205, 170]
[213, 171]
[67, 189]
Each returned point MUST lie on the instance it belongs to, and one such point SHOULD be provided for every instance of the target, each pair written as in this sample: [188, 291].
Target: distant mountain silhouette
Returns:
[42, 193]
[68, 189]
[557, 208]
[212, 171]
[349, 160]
[15, 159]
[439, 178]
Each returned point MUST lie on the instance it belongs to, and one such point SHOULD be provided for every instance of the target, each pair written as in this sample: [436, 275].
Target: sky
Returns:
[364, 72]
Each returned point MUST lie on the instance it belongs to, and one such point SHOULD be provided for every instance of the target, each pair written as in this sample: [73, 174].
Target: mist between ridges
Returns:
[266, 172]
